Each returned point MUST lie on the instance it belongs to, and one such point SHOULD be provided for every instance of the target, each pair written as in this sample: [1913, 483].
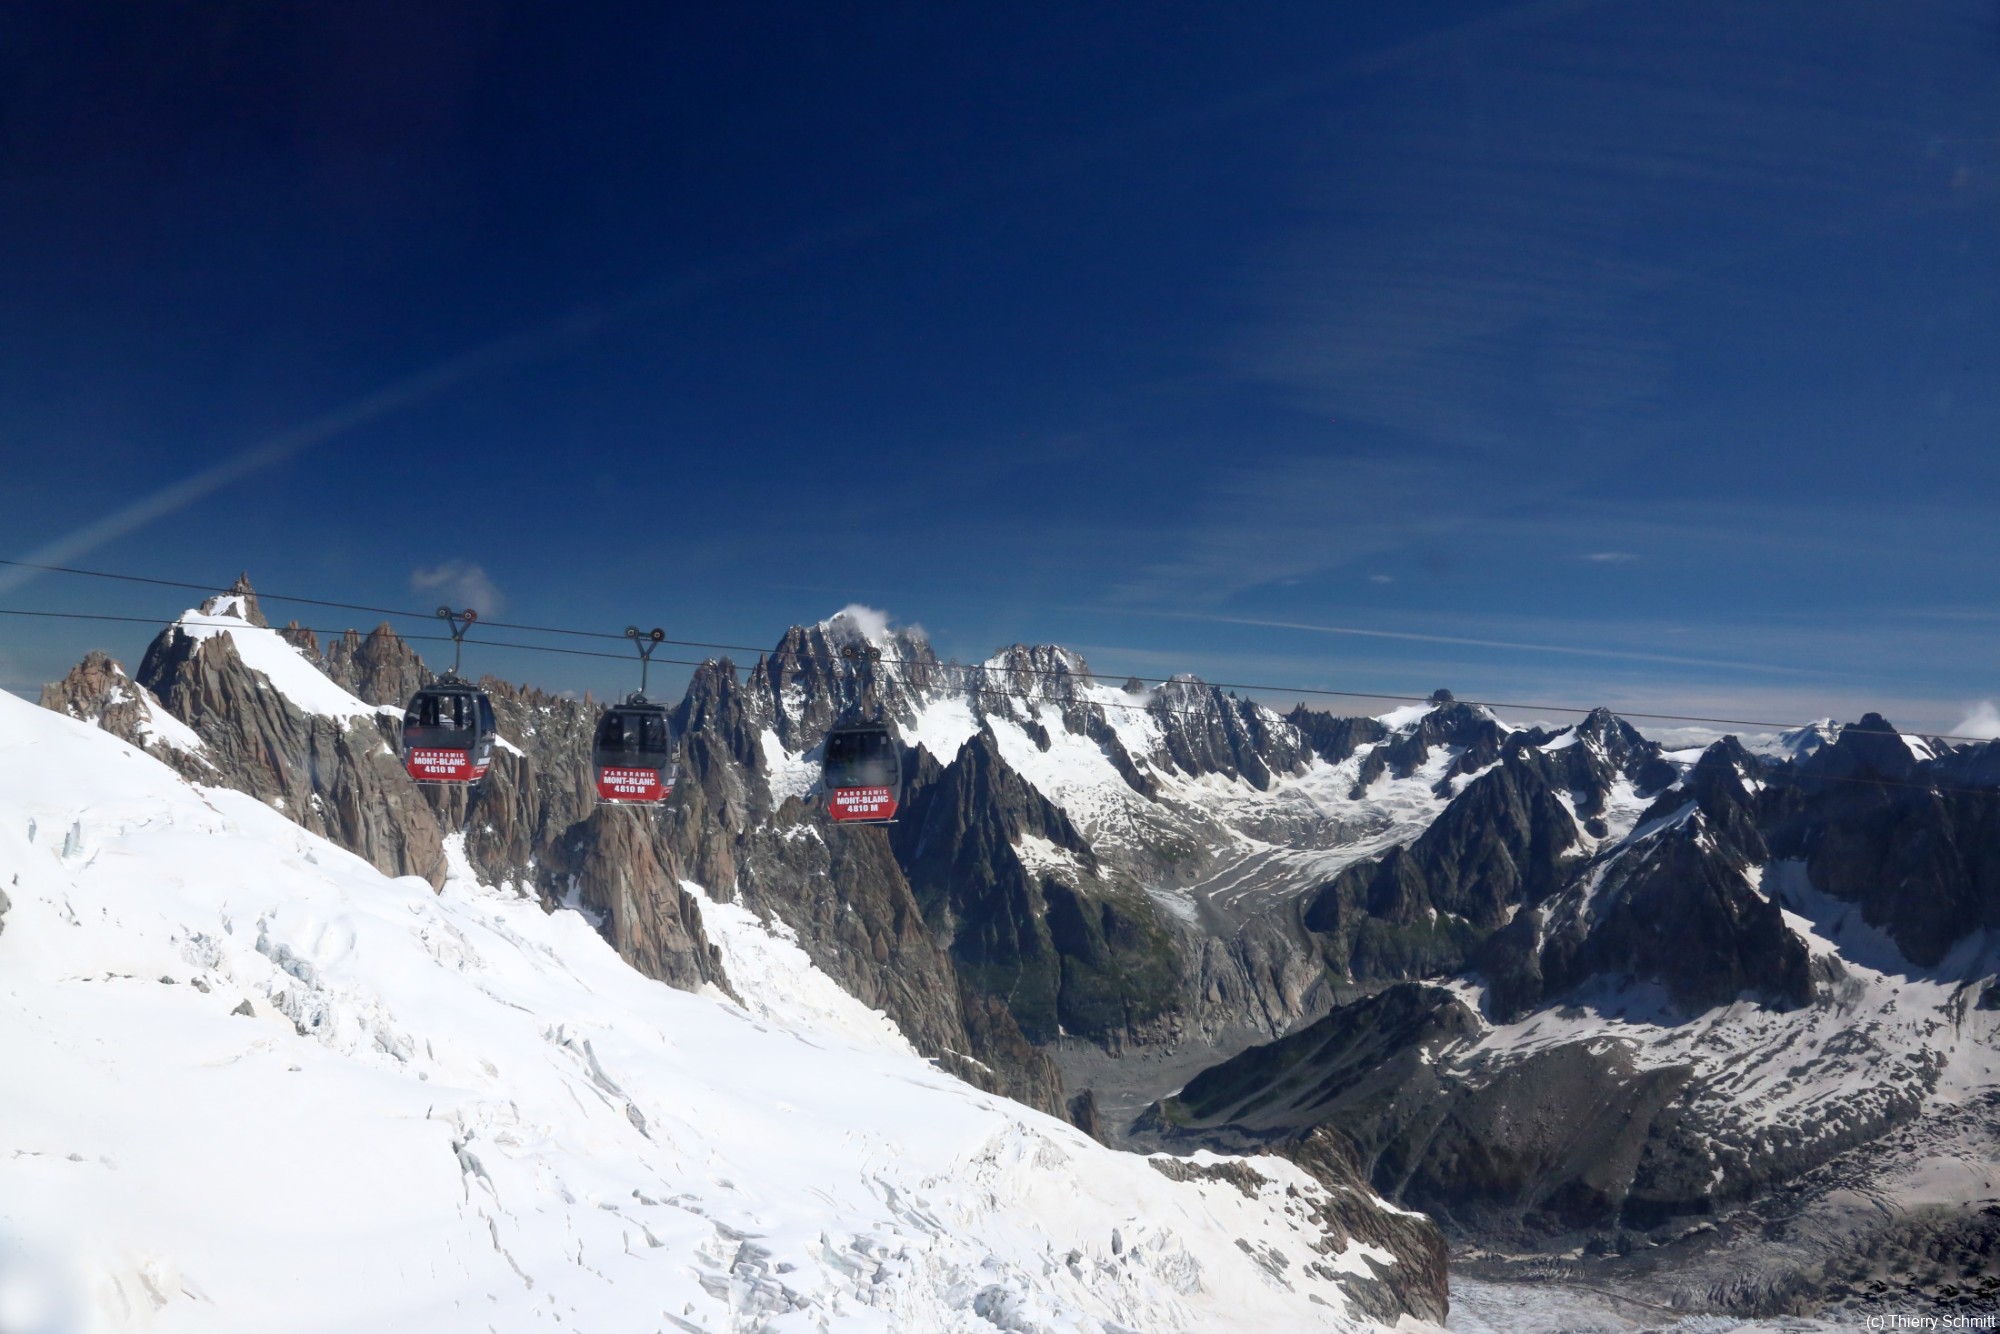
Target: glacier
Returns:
[254, 1084]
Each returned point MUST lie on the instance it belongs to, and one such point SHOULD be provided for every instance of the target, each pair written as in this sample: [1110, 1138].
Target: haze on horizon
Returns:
[1563, 351]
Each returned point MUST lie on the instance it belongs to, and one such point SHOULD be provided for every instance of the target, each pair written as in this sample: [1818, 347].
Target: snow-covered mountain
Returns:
[1745, 1054]
[1660, 1011]
[256, 1084]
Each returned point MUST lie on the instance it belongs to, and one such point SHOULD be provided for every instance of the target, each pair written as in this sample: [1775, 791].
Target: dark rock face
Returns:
[1672, 905]
[1064, 959]
[622, 869]
[1334, 739]
[1552, 1143]
[1549, 1143]
[380, 669]
[1083, 1112]
[844, 895]
[1907, 840]
[1370, 1049]
[1715, 786]
[1423, 909]
[1676, 913]
[537, 791]
[1208, 732]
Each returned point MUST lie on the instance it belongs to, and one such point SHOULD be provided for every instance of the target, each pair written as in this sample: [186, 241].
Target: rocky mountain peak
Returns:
[1801, 742]
[98, 691]
[839, 669]
[1676, 908]
[1869, 749]
[1715, 787]
[240, 601]
[1410, 736]
[1205, 730]
[1973, 764]
[380, 668]
[1878, 827]
[1334, 738]
[1035, 672]
[1021, 678]
[1617, 739]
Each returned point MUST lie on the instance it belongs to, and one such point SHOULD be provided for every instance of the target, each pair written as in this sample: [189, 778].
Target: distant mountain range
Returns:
[1717, 1025]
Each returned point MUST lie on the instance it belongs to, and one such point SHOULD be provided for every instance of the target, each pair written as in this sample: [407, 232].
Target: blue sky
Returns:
[1566, 351]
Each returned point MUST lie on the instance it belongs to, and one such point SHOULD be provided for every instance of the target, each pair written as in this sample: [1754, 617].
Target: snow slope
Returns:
[266, 651]
[455, 1111]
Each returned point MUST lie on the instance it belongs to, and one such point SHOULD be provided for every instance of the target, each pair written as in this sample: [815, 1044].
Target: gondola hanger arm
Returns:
[646, 643]
[458, 622]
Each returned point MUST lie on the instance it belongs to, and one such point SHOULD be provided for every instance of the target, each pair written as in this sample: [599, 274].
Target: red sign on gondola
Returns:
[862, 803]
[428, 765]
[621, 784]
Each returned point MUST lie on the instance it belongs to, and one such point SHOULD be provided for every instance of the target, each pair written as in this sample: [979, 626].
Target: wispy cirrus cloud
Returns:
[1564, 650]
[1296, 516]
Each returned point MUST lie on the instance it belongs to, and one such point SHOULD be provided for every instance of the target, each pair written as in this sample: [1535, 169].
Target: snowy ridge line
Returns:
[752, 648]
[156, 724]
[374, 1106]
[1256, 844]
[265, 651]
[1092, 792]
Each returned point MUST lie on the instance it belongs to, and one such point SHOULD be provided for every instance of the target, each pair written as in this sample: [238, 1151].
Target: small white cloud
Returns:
[1381, 578]
[1983, 722]
[463, 583]
[1611, 557]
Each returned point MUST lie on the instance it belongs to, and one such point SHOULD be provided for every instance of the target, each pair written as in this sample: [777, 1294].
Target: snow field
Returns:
[790, 775]
[455, 1111]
